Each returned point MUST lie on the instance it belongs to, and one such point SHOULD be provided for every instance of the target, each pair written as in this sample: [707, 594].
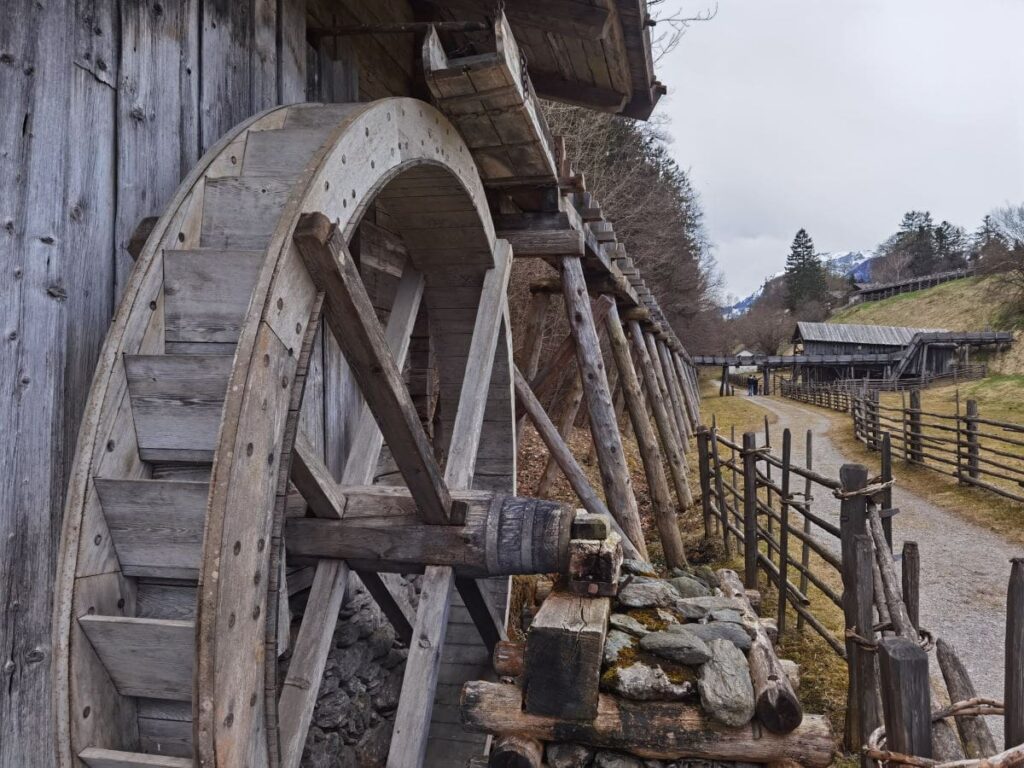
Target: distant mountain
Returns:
[855, 264]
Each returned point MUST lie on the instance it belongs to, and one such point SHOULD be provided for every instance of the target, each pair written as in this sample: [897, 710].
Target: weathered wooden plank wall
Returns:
[106, 105]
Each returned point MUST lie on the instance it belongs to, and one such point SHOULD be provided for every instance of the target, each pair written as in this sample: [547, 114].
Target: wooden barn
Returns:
[256, 341]
[887, 352]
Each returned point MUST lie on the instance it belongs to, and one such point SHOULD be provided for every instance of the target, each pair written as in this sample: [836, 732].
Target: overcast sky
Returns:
[840, 115]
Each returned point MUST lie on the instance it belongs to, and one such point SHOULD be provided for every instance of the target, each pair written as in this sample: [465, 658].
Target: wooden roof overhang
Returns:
[592, 53]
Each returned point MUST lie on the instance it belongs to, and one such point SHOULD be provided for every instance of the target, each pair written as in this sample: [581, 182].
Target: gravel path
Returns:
[964, 568]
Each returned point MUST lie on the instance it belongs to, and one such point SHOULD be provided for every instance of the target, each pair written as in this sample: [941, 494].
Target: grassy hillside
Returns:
[971, 304]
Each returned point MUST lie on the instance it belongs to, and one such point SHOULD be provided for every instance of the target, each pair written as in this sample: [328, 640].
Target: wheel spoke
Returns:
[350, 315]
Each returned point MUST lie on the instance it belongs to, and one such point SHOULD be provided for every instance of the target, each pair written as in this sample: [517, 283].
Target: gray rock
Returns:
[644, 683]
[726, 692]
[638, 568]
[648, 593]
[614, 644]
[713, 603]
[679, 646]
[689, 587]
[626, 623]
[566, 755]
[716, 630]
[616, 760]
[727, 614]
[707, 575]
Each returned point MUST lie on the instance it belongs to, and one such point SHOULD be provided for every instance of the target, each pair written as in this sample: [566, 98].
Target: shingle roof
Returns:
[875, 335]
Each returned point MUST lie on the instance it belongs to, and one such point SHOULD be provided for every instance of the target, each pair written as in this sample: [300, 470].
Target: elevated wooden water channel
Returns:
[352, 242]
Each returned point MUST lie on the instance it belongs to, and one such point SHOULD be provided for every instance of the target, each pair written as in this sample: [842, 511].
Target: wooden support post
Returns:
[723, 505]
[672, 448]
[914, 427]
[1013, 693]
[974, 733]
[912, 581]
[805, 550]
[675, 396]
[906, 699]
[689, 395]
[564, 651]
[723, 385]
[901, 622]
[704, 469]
[876, 421]
[647, 443]
[973, 444]
[528, 356]
[853, 523]
[618, 487]
[861, 661]
[885, 475]
[750, 537]
[566, 461]
[570, 409]
[667, 393]
[784, 533]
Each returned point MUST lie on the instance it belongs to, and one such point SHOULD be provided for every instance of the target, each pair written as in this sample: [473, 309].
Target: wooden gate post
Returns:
[750, 510]
[906, 699]
[973, 444]
[1013, 693]
[610, 457]
[914, 417]
[704, 470]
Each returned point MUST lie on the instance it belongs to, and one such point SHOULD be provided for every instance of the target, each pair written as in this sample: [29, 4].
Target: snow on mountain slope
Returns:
[855, 264]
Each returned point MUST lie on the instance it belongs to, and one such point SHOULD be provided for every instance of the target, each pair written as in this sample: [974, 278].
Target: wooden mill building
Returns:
[256, 257]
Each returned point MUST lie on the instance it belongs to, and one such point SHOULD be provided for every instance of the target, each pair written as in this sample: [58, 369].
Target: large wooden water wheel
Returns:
[172, 587]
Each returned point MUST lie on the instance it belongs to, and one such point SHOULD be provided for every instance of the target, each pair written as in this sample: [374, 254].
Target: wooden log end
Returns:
[779, 710]
[314, 226]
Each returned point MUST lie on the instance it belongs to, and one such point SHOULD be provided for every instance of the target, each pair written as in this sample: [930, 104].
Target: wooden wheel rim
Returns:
[372, 145]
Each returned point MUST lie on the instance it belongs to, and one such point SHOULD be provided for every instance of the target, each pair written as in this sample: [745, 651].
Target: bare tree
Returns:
[673, 26]
[765, 328]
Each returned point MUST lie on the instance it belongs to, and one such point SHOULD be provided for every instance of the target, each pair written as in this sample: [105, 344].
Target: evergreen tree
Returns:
[806, 281]
[917, 240]
[950, 246]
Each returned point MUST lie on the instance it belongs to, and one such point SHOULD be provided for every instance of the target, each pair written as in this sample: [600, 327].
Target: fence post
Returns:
[749, 510]
[886, 476]
[805, 550]
[912, 581]
[784, 533]
[768, 475]
[1013, 693]
[723, 509]
[906, 699]
[852, 523]
[915, 426]
[973, 445]
[705, 478]
[861, 661]
[876, 420]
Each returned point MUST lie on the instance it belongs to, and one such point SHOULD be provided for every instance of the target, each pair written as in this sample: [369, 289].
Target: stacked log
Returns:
[669, 669]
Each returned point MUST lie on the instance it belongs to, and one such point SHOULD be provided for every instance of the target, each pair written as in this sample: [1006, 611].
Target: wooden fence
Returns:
[752, 496]
[890, 719]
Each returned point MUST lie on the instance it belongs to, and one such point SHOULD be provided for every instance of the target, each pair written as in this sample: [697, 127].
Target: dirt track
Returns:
[964, 568]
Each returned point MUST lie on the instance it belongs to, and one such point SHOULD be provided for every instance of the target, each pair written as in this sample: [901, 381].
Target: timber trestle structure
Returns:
[310, 377]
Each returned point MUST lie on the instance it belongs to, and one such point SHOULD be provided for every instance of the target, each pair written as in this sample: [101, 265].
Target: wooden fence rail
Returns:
[978, 452]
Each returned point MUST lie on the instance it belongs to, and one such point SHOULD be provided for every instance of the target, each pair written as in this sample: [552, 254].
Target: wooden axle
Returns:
[653, 729]
[382, 529]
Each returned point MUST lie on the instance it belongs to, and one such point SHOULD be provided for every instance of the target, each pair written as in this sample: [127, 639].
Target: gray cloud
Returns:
[839, 115]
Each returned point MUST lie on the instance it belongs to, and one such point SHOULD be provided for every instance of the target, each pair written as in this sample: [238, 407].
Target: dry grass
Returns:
[971, 304]
[977, 505]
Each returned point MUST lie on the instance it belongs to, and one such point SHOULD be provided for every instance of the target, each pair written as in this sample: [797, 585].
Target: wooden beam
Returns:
[670, 444]
[419, 684]
[574, 92]
[545, 381]
[502, 535]
[544, 243]
[660, 730]
[564, 651]
[350, 315]
[315, 482]
[566, 461]
[611, 459]
[647, 443]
